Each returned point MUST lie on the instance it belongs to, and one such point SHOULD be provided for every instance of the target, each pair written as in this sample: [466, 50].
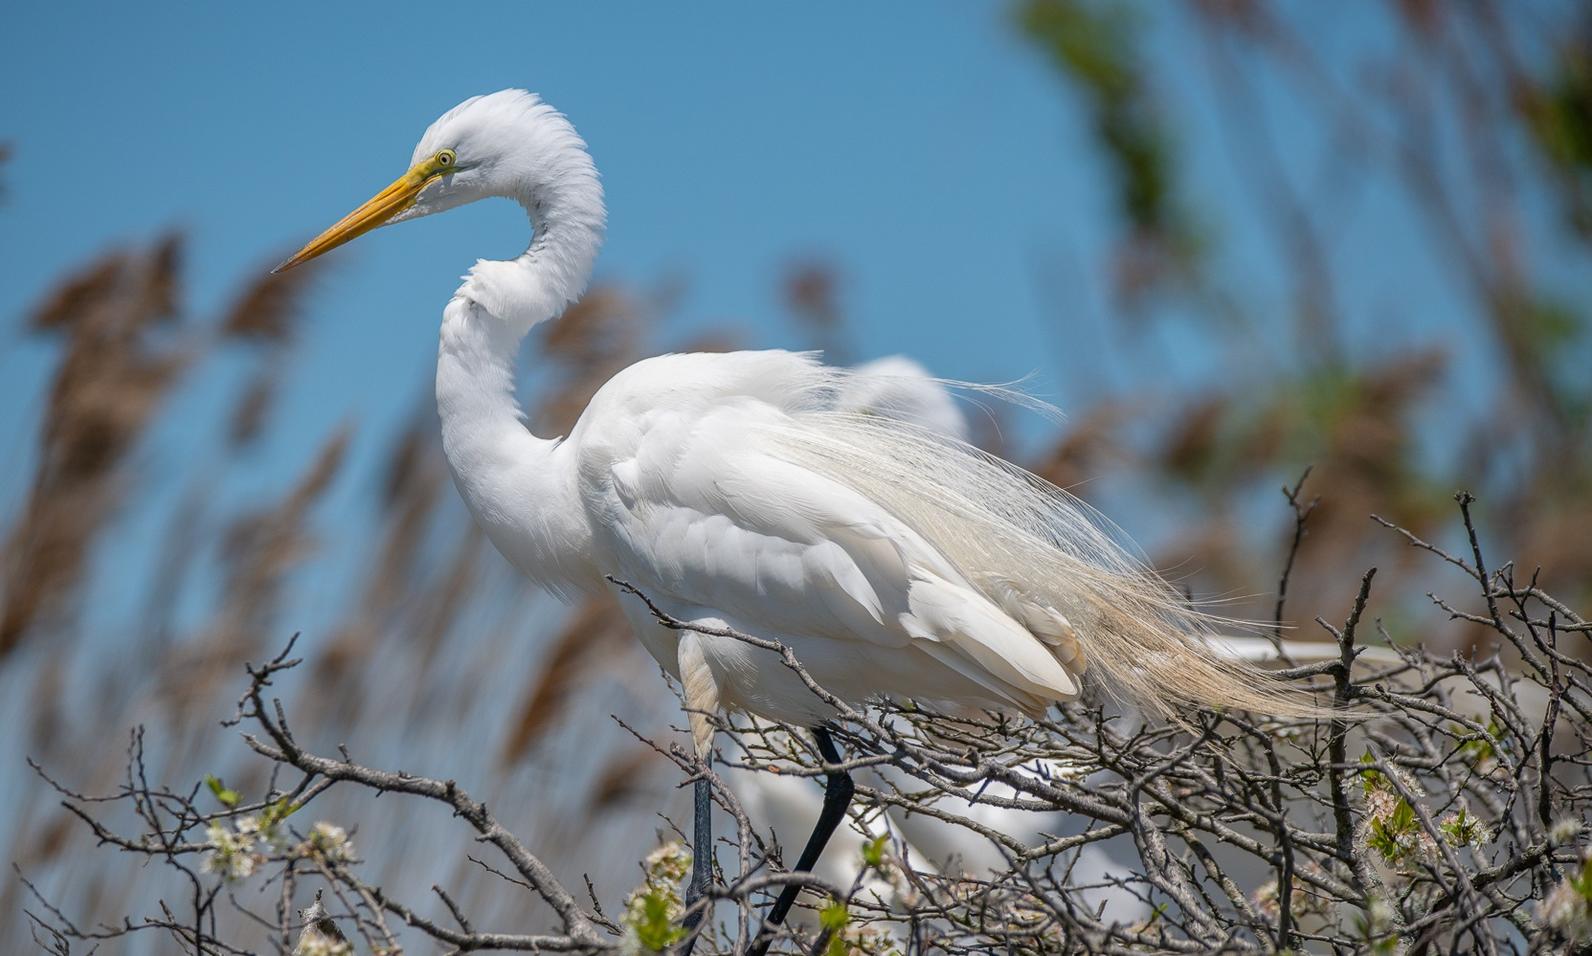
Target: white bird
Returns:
[730, 490]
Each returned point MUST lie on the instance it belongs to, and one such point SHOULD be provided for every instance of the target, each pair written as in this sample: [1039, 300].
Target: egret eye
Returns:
[446, 158]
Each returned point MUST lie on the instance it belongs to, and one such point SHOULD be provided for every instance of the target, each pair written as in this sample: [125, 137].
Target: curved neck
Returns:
[510, 479]
[539, 283]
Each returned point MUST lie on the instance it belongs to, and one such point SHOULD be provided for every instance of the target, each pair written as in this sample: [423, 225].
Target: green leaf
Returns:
[279, 811]
[873, 851]
[1371, 777]
[655, 930]
[227, 798]
[1463, 829]
[834, 916]
[1403, 817]
[1582, 882]
[1483, 749]
[1383, 842]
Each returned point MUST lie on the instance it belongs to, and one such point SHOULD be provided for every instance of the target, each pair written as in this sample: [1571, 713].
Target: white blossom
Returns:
[654, 908]
[232, 854]
[329, 841]
[1564, 830]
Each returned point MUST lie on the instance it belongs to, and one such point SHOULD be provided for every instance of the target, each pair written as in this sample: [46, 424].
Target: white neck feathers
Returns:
[556, 183]
[510, 479]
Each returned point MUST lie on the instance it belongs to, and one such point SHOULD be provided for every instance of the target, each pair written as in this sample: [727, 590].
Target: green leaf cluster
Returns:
[833, 918]
[1386, 836]
[650, 918]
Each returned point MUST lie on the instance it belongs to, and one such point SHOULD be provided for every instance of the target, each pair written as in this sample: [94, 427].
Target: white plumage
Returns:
[899, 388]
[768, 494]
[785, 805]
[698, 499]
[744, 489]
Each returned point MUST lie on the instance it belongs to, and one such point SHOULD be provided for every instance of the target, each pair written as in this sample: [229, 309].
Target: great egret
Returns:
[730, 490]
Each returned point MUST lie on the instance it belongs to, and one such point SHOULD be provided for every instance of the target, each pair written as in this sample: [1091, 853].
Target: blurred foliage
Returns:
[427, 613]
[1558, 111]
[1389, 430]
[1096, 46]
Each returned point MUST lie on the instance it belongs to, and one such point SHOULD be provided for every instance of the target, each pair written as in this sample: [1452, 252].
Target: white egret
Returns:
[730, 490]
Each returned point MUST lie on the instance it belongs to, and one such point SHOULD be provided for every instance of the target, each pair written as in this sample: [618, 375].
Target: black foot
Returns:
[838, 789]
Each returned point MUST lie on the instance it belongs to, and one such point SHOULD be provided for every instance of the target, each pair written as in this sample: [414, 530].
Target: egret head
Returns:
[507, 143]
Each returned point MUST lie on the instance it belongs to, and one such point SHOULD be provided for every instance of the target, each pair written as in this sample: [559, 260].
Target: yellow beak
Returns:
[376, 211]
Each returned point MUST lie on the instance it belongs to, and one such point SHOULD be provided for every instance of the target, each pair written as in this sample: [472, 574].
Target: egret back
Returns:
[1030, 546]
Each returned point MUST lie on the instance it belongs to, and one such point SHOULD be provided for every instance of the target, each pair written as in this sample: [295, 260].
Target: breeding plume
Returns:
[745, 491]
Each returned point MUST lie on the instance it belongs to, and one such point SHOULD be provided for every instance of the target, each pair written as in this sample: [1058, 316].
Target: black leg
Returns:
[701, 858]
[838, 789]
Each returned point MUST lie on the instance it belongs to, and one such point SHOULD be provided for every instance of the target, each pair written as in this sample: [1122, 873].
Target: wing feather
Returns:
[705, 514]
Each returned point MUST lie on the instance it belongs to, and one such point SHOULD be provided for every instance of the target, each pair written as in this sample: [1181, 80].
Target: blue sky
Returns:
[926, 149]
[928, 155]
